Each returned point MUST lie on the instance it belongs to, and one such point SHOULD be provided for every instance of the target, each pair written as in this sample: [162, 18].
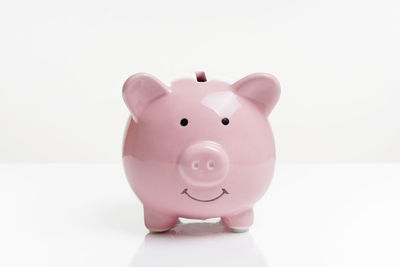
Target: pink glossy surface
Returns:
[204, 169]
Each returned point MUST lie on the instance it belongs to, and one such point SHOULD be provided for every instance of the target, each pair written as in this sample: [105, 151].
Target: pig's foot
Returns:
[240, 222]
[158, 222]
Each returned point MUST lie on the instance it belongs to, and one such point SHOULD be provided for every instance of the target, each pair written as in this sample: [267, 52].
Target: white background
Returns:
[62, 65]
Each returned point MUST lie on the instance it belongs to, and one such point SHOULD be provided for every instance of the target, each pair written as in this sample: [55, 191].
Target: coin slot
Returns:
[201, 76]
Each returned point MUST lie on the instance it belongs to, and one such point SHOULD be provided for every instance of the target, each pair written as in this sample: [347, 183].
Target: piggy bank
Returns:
[199, 149]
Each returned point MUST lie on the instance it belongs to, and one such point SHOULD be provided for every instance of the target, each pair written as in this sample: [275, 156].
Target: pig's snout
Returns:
[203, 164]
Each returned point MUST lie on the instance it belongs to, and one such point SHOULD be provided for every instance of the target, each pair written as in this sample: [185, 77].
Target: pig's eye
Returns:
[225, 121]
[184, 122]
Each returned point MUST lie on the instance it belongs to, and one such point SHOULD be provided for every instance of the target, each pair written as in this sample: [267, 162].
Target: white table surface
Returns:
[312, 215]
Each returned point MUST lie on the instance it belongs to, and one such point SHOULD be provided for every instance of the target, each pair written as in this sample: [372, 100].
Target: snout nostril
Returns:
[195, 165]
[210, 165]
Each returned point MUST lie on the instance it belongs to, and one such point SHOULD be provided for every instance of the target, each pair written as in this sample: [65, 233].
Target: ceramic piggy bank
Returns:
[199, 149]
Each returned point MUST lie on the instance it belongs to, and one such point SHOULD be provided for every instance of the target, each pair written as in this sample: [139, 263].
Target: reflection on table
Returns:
[199, 244]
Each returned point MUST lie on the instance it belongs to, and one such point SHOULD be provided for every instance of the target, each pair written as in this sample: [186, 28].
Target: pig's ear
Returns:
[261, 88]
[140, 90]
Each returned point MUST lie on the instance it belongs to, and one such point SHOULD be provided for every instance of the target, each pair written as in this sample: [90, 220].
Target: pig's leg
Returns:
[158, 222]
[239, 222]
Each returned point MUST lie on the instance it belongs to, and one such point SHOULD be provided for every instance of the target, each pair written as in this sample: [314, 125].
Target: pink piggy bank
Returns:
[199, 149]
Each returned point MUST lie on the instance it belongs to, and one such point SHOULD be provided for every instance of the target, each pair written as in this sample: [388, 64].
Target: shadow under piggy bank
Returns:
[199, 244]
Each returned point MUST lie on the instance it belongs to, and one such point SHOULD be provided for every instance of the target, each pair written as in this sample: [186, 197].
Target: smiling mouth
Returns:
[185, 191]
